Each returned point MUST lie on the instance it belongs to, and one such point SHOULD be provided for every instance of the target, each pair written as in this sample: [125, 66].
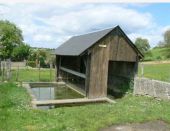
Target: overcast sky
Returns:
[49, 25]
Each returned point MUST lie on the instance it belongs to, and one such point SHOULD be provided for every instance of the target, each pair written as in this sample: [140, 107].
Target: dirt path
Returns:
[148, 126]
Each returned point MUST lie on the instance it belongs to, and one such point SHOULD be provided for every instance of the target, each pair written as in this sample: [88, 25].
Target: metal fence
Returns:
[19, 71]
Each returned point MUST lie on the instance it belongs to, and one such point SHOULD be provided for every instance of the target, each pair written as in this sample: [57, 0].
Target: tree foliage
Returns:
[142, 45]
[21, 52]
[40, 55]
[10, 37]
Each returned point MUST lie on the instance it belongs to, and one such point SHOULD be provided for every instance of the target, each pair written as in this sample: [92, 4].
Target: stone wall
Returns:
[154, 88]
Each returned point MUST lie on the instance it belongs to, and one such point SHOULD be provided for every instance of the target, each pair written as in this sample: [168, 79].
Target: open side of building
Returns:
[99, 63]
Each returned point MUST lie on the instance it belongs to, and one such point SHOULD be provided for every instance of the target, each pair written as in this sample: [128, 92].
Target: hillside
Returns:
[158, 53]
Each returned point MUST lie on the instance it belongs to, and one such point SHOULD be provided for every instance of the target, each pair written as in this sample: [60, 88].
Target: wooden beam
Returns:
[57, 67]
[87, 81]
[73, 72]
[72, 101]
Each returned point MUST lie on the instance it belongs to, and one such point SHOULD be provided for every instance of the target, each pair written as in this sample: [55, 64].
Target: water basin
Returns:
[47, 91]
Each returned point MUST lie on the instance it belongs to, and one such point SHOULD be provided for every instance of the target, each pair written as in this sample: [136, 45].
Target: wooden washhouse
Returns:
[99, 62]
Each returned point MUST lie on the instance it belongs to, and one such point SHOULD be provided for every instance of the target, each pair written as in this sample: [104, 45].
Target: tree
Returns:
[10, 37]
[21, 52]
[167, 37]
[142, 45]
[39, 55]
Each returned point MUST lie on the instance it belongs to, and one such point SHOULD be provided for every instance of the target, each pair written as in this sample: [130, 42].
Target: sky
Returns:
[49, 25]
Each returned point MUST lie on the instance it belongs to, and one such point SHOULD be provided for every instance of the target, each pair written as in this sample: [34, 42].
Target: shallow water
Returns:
[54, 92]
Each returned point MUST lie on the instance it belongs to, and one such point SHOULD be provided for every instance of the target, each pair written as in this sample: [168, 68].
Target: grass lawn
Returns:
[16, 113]
[32, 75]
[154, 71]
[157, 71]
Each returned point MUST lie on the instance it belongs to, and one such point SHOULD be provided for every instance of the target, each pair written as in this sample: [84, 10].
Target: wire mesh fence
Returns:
[18, 71]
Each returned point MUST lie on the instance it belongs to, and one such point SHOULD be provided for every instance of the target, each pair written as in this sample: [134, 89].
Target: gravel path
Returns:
[148, 126]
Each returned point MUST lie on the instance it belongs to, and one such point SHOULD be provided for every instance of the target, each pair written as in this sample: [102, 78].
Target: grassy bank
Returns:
[16, 113]
[156, 71]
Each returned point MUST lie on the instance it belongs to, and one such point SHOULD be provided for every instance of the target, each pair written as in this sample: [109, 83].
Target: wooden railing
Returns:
[73, 72]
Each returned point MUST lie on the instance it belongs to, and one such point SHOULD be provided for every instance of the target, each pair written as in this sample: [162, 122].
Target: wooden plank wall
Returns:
[99, 70]
[117, 49]
[120, 50]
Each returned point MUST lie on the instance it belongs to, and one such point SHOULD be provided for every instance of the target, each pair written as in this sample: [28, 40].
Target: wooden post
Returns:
[0, 68]
[142, 69]
[8, 69]
[87, 79]
[26, 64]
[58, 67]
[136, 66]
[3, 71]
[50, 71]
[39, 71]
[55, 75]
[17, 73]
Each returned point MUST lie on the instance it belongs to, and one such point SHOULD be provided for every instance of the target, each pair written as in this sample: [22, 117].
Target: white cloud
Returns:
[83, 1]
[42, 37]
[153, 39]
[53, 24]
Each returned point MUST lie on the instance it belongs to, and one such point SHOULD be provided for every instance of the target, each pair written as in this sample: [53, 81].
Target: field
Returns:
[16, 113]
[158, 54]
[156, 71]
[32, 75]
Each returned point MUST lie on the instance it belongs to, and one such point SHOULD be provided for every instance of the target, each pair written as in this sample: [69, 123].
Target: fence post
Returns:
[8, 69]
[3, 70]
[39, 70]
[17, 73]
[142, 69]
[0, 68]
[55, 79]
[50, 72]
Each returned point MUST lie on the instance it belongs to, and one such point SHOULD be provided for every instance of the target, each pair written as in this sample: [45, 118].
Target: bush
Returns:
[168, 55]
[149, 59]
[31, 63]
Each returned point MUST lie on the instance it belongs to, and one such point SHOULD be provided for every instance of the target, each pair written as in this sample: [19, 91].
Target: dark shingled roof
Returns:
[78, 44]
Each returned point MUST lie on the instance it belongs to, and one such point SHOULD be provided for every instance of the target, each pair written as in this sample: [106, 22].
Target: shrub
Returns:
[148, 59]
[31, 63]
[158, 58]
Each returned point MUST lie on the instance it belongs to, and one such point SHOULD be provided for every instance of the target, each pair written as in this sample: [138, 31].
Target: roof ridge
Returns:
[95, 31]
[78, 44]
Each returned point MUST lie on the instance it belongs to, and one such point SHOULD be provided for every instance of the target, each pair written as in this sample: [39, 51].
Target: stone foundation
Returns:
[154, 88]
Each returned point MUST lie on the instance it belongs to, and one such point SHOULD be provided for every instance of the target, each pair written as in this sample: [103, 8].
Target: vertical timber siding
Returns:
[99, 70]
[120, 50]
[117, 49]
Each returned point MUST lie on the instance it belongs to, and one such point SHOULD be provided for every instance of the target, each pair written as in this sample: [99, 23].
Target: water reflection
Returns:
[54, 92]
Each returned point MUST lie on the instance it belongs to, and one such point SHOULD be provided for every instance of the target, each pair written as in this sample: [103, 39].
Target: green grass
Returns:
[32, 75]
[156, 71]
[16, 113]
[158, 54]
